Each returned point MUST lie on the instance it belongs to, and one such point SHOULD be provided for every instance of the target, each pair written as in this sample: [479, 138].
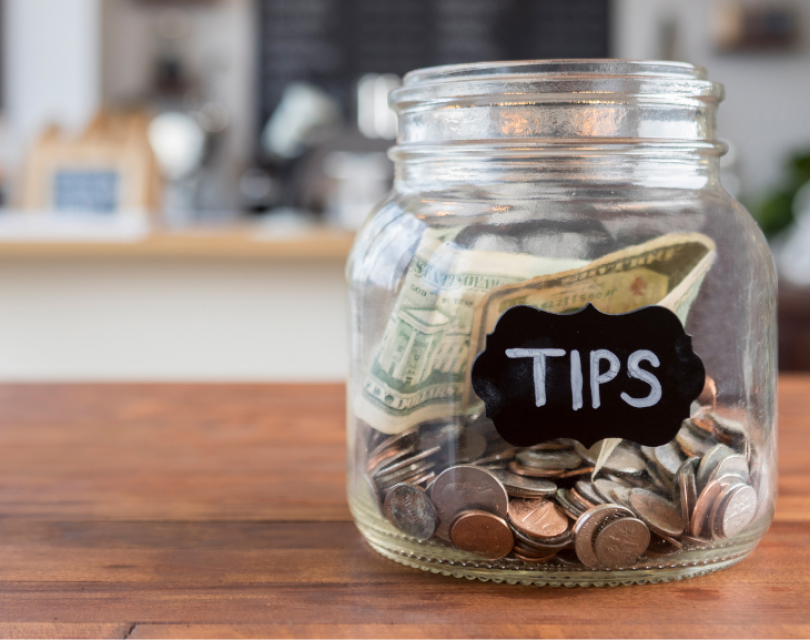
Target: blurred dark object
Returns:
[333, 43]
[754, 25]
[794, 327]
[775, 210]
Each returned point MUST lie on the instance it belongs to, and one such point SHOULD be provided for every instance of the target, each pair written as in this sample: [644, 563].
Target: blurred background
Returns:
[180, 180]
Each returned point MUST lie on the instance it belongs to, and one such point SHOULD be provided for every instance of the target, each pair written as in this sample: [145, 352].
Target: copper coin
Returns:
[411, 511]
[587, 490]
[692, 444]
[571, 510]
[708, 397]
[658, 513]
[579, 500]
[731, 432]
[531, 472]
[587, 525]
[621, 542]
[465, 488]
[700, 525]
[482, 533]
[538, 518]
[687, 489]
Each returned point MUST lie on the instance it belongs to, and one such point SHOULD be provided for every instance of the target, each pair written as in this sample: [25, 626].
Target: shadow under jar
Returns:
[563, 362]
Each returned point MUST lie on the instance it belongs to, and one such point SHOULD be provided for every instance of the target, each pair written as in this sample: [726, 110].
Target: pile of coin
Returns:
[463, 485]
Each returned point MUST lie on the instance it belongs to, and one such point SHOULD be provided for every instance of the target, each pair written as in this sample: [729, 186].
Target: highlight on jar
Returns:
[574, 419]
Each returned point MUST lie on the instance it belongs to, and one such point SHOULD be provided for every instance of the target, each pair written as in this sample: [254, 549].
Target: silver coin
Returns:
[552, 460]
[404, 440]
[734, 465]
[692, 444]
[736, 511]
[687, 489]
[659, 514]
[625, 461]
[589, 455]
[587, 525]
[731, 432]
[557, 542]
[411, 511]
[416, 469]
[621, 495]
[391, 468]
[572, 510]
[621, 542]
[588, 491]
[604, 487]
[524, 486]
[465, 488]
[669, 457]
[710, 460]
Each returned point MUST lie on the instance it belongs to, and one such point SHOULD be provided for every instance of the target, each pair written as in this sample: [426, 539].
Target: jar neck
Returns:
[494, 170]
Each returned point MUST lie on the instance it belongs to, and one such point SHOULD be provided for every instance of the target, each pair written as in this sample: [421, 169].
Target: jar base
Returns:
[441, 558]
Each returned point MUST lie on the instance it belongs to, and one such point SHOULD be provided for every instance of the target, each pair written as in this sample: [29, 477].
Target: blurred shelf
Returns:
[317, 243]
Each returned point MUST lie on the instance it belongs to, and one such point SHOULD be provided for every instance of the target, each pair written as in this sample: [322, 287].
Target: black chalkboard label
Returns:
[588, 375]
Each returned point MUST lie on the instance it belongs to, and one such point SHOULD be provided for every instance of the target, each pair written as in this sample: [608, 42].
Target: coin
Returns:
[587, 490]
[482, 533]
[411, 511]
[658, 514]
[571, 510]
[730, 432]
[466, 487]
[700, 524]
[504, 456]
[524, 487]
[734, 465]
[587, 525]
[661, 548]
[709, 461]
[579, 500]
[668, 457]
[624, 460]
[538, 518]
[736, 511]
[556, 542]
[551, 460]
[405, 462]
[621, 542]
[604, 487]
[687, 489]
[708, 397]
[691, 443]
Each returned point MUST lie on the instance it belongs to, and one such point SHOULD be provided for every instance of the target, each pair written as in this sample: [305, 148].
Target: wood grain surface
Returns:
[168, 511]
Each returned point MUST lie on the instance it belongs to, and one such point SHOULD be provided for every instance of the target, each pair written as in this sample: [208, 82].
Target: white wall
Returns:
[51, 64]
[765, 115]
[172, 320]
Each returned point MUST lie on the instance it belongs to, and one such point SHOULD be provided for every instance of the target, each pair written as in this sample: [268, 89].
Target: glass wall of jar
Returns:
[554, 185]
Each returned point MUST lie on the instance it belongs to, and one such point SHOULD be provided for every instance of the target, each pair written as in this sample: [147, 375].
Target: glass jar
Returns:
[563, 363]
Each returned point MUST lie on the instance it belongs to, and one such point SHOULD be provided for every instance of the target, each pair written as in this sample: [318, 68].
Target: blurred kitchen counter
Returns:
[237, 242]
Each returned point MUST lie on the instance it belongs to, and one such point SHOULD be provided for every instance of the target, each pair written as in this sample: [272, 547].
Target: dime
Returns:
[587, 525]
[482, 533]
[658, 514]
[736, 512]
[687, 489]
[621, 542]
[550, 460]
[710, 460]
[411, 511]
[604, 487]
[700, 524]
[524, 487]
[579, 500]
[466, 487]
[668, 457]
[538, 518]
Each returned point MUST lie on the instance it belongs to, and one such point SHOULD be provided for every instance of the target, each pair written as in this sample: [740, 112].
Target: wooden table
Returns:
[150, 511]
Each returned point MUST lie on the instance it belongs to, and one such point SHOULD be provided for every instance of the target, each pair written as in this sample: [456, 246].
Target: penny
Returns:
[710, 460]
[466, 487]
[687, 489]
[556, 542]
[699, 524]
[411, 511]
[734, 465]
[482, 533]
[708, 397]
[579, 500]
[658, 514]
[551, 460]
[532, 559]
[702, 425]
[621, 542]
[524, 552]
[538, 518]
[736, 511]
[523, 486]
[587, 525]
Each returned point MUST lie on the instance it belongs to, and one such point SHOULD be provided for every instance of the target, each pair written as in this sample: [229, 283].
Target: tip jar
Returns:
[563, 362]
